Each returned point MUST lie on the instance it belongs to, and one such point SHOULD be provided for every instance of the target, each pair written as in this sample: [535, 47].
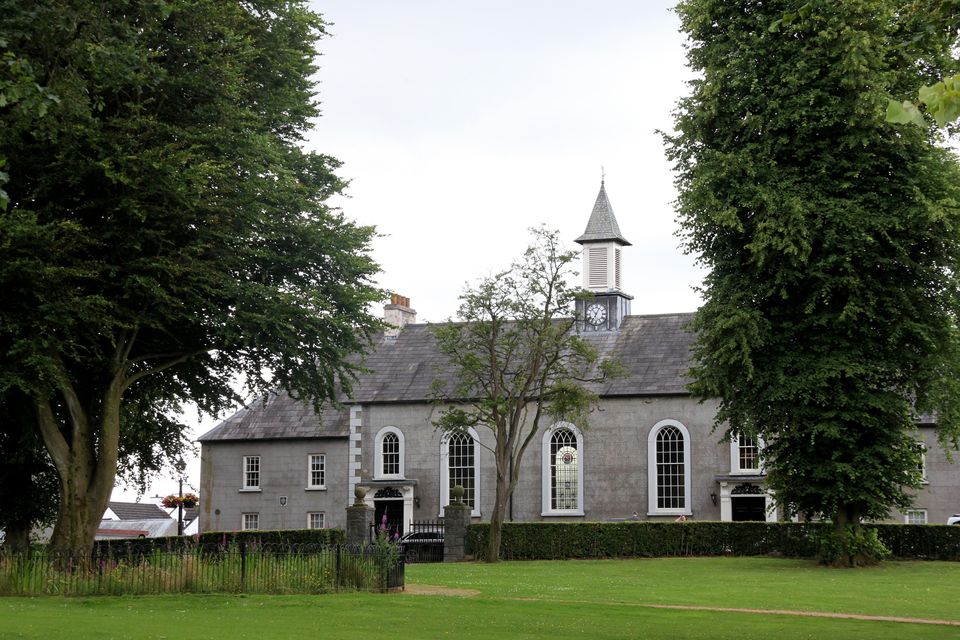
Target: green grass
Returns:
[563, 599]
[911, 589]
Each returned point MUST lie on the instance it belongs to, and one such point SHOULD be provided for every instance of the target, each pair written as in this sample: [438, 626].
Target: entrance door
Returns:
[394, 512]
[749, 508]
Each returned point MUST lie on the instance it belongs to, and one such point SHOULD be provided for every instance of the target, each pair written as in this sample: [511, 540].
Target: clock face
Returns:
[596, 314]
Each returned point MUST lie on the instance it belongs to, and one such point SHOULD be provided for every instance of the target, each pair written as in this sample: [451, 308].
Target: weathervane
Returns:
[603, 175]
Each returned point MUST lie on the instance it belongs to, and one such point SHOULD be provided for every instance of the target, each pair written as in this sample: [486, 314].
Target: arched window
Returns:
[459, 464]
[562, 471]
[668, 469]
[388, 463]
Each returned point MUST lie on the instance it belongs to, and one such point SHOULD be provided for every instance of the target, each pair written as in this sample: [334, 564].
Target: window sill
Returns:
[249, 490]
[673, 512]
[571, 512]
[314, 488]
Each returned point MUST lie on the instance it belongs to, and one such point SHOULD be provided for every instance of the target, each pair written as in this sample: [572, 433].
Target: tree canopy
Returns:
[166, 234]
[518, 360]
[831, 238]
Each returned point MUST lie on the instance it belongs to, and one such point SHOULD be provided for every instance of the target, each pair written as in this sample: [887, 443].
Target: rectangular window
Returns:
[315, 520]
[251, 472]
[316, 471]
[250, 521]
[749, 453]
[915, 516]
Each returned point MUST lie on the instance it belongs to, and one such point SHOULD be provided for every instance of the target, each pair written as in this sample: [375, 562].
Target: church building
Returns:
[650, 452]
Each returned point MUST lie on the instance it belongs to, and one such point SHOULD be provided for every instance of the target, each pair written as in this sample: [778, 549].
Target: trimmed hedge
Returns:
[285, 536]
[560, 540]
[225, 539]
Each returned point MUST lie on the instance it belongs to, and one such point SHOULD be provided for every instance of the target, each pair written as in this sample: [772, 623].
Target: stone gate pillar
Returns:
[359, 519]
[456, 518]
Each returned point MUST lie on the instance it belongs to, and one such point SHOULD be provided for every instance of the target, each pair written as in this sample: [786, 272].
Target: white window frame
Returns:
[378, 473]
[545, 479]
[652, 508]
[323, 472]
[244, 524]
[245, 474]
[909, 512]
[735, 468]
[323, 519]
[445, 472]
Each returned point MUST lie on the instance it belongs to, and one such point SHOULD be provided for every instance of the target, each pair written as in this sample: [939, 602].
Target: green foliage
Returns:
[166, 236]
[565, 540]
[286, 536]
[851, 547]
[929, 22]
[831, 239]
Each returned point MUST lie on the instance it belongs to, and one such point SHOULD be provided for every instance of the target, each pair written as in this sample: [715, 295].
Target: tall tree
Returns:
[832, 241]
[517, 360]
[165, 233]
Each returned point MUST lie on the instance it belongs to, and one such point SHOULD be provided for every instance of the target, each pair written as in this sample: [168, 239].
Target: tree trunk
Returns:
[499, 510]
[84, 452]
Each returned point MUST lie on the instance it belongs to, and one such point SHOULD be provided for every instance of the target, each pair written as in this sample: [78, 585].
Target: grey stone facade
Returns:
[382, 439]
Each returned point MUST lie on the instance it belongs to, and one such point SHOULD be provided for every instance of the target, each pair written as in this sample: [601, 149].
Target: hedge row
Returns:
[556, 540]
[225, 539]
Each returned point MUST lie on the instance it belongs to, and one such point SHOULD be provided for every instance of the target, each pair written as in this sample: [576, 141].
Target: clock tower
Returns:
[601, 243]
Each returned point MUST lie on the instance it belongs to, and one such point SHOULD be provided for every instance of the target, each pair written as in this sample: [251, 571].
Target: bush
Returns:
[850, 547]
[559, 540]
[286, 536]
[145, 546]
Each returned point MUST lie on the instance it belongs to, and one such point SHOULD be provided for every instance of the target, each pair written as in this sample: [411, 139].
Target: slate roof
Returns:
[281, 417]
[602, 226]
[146, 527]
[137, 511]
[654, 350]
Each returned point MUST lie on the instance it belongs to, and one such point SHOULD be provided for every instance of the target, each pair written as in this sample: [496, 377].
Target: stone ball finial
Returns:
[457, 492]
[359, 493]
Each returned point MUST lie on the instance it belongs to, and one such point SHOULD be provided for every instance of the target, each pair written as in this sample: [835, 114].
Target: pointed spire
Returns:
[602, 226]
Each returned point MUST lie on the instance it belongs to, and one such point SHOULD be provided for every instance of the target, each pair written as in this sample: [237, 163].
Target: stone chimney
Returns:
[398, 314]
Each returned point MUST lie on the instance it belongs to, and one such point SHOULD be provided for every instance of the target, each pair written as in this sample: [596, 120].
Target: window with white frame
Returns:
[389, 453]
[250, 521]
[745, 454]
[251, 473]
[315, 520]
[316, 471]
[562, 470]
[915, 516]
[459, 464]
[668, 469]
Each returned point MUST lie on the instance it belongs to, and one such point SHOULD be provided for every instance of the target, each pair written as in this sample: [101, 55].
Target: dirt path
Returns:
[438, 590]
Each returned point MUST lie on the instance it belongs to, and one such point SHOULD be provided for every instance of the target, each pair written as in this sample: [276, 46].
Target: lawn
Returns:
[563, 599]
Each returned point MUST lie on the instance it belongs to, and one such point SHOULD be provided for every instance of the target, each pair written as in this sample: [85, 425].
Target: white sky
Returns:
[463, 124]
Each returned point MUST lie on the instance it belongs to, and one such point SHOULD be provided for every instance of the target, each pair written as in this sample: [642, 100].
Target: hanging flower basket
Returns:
[188, 501]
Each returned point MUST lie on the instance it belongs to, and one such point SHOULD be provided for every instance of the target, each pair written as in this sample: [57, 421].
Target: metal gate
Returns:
[424, 541]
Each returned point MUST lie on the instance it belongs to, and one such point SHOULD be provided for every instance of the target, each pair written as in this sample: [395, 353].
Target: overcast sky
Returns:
[463, 124]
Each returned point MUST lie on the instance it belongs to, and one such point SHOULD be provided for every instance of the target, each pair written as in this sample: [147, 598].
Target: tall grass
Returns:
[244, 568]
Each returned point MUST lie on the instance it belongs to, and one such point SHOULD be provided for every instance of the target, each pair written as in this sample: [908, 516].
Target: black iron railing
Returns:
[244, 568]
